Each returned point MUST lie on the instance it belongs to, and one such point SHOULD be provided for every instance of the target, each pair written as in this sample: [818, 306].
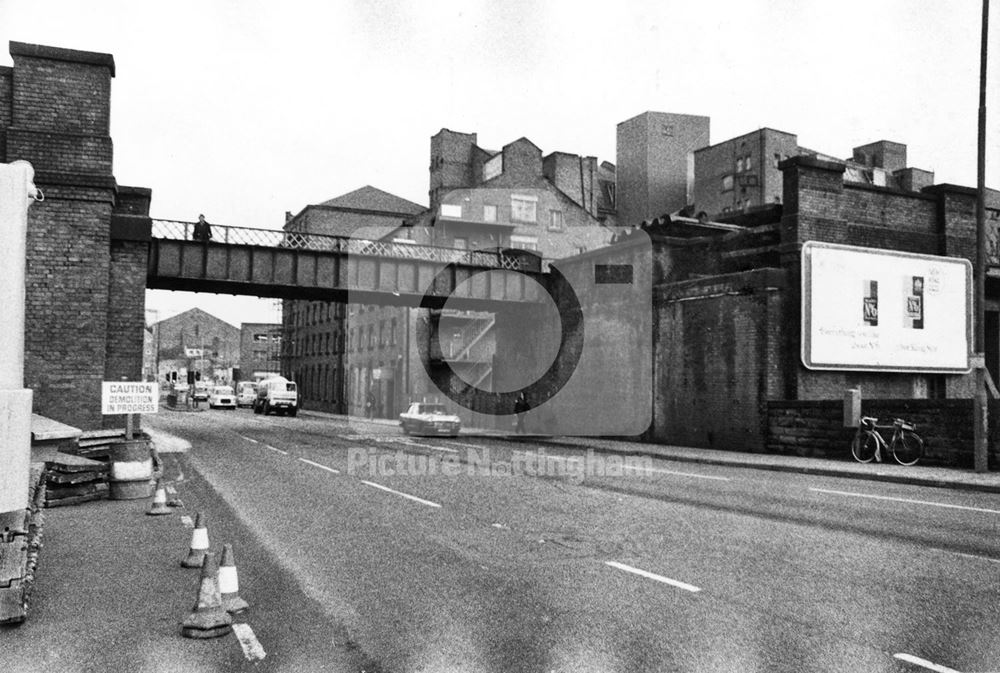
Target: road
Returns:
[475, 555]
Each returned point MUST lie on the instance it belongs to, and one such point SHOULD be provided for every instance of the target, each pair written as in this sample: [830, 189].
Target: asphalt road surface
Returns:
[483, 554]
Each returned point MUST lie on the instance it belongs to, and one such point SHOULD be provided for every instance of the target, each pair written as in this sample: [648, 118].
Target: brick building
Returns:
[742, 173]
[655, 165]
[86, 243]
[314, 333]
[195, 330]
[260, 351]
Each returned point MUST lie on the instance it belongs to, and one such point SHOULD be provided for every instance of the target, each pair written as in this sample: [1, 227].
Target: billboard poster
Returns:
[881, 310]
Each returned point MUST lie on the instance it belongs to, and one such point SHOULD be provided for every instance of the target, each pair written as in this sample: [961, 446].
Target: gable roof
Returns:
[372, 198]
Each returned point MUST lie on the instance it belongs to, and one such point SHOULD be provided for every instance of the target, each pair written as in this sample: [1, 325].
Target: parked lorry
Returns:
[278, 395]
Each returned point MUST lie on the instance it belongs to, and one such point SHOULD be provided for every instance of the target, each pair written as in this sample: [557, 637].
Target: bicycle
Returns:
[906, 446]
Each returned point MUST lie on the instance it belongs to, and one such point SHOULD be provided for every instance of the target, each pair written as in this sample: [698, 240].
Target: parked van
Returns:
[246, 393]
[276, 394]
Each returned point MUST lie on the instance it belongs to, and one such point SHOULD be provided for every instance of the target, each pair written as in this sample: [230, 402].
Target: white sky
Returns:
[245, 109]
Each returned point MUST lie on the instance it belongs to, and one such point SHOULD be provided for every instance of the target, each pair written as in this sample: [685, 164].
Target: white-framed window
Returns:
[489, 213]
[555, 220]
[524, 242]
[451, 210]
[524, 208]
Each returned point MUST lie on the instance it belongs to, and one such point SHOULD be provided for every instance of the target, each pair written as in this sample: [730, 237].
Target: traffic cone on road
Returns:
[209, 619]
[229, 582]
[199, 544]
[159, 506]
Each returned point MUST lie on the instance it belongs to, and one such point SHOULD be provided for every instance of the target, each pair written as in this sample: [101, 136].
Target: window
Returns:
[747, 163]
[392, 333]
[489, 213]
[522, 209]
[461, 243]
[555, 220]
[739, 165]
[451, 210]
[777, 159]
[524, 242]
[727, 183]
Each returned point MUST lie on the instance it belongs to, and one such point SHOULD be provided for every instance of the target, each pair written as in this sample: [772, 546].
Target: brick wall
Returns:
[715, 345]
[815, 428]
[68, 267]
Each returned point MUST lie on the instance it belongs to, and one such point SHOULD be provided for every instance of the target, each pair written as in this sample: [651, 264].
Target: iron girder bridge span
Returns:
[294, 265]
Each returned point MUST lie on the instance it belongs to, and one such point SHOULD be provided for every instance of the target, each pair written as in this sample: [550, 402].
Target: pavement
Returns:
[110, 593]
[918, 475]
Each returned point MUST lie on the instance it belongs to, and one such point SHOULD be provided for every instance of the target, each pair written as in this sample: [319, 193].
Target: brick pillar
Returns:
[60, 108]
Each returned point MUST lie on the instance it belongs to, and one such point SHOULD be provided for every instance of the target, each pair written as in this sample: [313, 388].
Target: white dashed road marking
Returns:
[653, 576]
[268, 446]
[400, 493]
[909, 658]
[907, 500]
[322, 467]
[249, 439]
[675, 473]
[252, 648]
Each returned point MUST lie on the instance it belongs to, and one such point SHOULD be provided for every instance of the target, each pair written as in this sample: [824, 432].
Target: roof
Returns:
[372, 198]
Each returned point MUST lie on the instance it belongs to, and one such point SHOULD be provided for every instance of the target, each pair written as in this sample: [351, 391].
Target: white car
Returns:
[429, 418]
[222, 397]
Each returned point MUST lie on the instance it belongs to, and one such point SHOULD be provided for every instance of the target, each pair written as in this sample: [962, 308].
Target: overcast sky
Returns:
[243, 110]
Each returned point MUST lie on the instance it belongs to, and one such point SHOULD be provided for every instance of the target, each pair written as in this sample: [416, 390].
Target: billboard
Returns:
[881, 310]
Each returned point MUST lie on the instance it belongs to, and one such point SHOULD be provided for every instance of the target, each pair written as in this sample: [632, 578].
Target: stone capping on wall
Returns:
[62, 54]
[807, 161]
[750, 281]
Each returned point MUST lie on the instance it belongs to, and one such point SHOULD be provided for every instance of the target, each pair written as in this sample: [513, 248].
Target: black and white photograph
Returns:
[469, 336]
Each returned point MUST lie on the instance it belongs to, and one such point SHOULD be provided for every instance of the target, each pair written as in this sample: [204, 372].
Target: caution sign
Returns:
[126, 397]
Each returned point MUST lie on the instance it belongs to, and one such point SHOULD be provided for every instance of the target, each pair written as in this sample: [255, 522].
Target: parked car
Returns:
[222, 397]
[246, 393]
[278, 395]
[429, 418]
[201, 392]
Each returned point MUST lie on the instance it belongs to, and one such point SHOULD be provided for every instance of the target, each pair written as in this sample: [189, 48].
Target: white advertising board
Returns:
[869, 309]
[130, 397]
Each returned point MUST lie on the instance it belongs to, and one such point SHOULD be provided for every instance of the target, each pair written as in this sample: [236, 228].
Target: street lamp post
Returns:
[981, 416]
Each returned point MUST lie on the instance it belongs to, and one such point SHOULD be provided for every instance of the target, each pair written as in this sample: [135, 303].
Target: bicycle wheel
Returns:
[907, 448]
[864, 446]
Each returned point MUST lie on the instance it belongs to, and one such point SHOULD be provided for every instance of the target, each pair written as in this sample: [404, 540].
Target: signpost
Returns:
[129, 398]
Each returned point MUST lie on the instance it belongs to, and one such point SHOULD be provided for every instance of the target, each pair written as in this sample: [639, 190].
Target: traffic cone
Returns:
[199, 544]
[159, 506]
[229, 582]
[209, 619]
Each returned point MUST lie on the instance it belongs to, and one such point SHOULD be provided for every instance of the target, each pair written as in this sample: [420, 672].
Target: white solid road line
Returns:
[653, 576]
[909, 658]
[322, 467]
[249, 439]
[276, 450]
[400, 493]
[426, 446]
[907, 500]
[252, 648]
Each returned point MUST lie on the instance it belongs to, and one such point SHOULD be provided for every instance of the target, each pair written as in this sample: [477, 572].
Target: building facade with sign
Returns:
[260, 351]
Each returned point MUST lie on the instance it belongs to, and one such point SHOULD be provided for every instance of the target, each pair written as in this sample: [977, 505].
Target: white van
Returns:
[246, 393]
[276, 394]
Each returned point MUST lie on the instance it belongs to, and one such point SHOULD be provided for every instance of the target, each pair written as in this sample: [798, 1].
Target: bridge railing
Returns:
[499, 259]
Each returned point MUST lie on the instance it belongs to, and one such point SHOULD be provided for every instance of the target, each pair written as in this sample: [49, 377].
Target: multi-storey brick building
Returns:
[260, 351]
[314, 333]
[742, 173]
[654, 163]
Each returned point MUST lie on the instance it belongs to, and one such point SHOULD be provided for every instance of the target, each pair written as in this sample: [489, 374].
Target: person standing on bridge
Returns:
[202, 230]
